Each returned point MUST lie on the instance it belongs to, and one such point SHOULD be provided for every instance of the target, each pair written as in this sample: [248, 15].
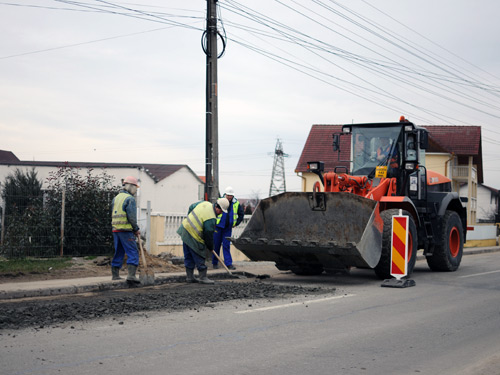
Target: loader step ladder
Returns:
[429, 250]
[427, 216]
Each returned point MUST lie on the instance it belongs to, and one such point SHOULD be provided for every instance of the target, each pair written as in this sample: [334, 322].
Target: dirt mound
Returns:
[160, 263]
[89, 267]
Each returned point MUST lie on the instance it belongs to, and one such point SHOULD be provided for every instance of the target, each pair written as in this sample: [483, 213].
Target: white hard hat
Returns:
[223, 203]
[131, 180]
[229, 191]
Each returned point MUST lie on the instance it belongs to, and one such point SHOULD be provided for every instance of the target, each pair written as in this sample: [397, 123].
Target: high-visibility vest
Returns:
[193, 223]
[235, 204]
[385, 152]
[119, 219]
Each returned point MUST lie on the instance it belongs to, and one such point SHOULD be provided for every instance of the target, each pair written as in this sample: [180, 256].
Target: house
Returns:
[170, 188]
[488, 210]
[454, 151]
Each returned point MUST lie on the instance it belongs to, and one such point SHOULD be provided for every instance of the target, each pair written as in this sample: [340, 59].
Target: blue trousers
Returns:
[220, 235]
[125, 243]
[192, 259]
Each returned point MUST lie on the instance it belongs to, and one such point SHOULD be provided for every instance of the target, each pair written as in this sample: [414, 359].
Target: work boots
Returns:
[115, 273]
[203, 279]
[190, 276]
[131, 278]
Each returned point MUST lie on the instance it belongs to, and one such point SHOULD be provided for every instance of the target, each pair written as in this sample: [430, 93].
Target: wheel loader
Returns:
[345, 221]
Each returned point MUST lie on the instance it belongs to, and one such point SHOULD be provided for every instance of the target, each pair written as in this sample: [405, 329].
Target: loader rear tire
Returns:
[383, 268]
[448, 251]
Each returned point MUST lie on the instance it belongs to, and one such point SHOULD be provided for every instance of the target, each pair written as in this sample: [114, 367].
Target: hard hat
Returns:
[131, 180]
[223, 203]
[229, 191]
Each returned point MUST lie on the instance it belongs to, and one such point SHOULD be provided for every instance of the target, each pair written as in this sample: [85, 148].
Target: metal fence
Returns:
[31, 227]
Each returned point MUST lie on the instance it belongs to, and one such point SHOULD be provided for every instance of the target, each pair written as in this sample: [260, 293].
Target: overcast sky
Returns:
[120, 81]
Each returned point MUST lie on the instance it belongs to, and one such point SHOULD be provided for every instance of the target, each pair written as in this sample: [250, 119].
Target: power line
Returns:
[274, 25]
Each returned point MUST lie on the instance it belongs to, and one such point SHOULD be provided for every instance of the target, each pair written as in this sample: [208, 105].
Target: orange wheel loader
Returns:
[346, 220]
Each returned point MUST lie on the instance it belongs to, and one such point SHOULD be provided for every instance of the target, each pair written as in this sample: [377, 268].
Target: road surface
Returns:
[449, 323]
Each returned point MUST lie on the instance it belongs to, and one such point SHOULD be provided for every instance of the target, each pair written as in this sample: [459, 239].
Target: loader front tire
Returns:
[383, 268]
[449, 248]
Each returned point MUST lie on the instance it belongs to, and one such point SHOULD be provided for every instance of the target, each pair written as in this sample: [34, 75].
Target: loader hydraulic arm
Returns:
[334, 182]
[359, 185]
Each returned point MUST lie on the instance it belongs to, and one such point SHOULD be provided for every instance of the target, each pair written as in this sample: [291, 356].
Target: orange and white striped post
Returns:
[399, 252]
[399, 246]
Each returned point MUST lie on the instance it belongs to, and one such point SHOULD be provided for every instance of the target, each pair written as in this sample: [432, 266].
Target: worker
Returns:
[197, 234]
[124, 224]
[384, 150]
[225, 224]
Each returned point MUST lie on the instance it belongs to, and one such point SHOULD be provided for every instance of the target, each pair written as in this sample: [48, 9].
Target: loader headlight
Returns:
[410, 166]
[316, 166]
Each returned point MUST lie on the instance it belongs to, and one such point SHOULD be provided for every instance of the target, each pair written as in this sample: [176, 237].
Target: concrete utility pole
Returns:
[212, 133]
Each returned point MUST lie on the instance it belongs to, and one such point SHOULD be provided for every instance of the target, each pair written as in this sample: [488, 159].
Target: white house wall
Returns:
[486, 206]
[173, 194]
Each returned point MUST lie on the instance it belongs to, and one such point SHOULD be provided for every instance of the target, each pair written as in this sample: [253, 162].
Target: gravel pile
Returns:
[172, 297]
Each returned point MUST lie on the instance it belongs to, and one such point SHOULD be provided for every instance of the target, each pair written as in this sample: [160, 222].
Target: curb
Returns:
[472, 251]
[100, 286]
[105, 286]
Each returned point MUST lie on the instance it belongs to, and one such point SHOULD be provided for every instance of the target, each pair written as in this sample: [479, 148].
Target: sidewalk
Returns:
[93, 284]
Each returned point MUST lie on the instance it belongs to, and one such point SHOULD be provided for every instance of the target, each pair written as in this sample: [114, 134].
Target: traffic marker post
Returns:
[399, 253]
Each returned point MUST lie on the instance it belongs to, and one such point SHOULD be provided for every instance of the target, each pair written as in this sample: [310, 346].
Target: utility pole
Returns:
[212, 133]
[278, 183]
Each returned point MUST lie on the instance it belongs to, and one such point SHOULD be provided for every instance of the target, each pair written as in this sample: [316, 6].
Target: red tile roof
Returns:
[463, 141]
[319, 147]
[459, 140]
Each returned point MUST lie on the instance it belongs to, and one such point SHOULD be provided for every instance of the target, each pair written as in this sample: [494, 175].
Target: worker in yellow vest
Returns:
[224, 229]
[197, 233]
[125, 229]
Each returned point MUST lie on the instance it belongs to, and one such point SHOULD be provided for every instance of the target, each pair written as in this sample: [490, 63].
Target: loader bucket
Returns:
[307, 232]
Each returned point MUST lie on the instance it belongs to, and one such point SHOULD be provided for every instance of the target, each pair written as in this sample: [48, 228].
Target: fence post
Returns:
[63, 206]
[148, 228]
[3, 224]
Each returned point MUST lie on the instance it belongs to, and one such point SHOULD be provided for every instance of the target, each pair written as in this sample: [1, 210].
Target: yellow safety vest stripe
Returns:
[193, 223]
[236, 205]
[119, 219]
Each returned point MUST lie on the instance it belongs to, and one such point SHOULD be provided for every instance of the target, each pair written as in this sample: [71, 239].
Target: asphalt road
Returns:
[449, 323]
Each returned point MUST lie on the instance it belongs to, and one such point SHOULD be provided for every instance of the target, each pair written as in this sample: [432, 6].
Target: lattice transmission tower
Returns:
[278, 183]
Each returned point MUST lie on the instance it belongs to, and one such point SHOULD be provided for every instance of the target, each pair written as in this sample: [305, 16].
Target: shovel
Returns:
[227, 269]
[148, 276]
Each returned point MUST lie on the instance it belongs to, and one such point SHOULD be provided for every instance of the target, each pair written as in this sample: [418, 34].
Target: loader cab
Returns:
[389, 150]
[374, 147]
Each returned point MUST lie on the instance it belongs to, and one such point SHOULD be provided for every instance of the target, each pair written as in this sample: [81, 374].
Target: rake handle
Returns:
[220, 260]
[142, 254]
